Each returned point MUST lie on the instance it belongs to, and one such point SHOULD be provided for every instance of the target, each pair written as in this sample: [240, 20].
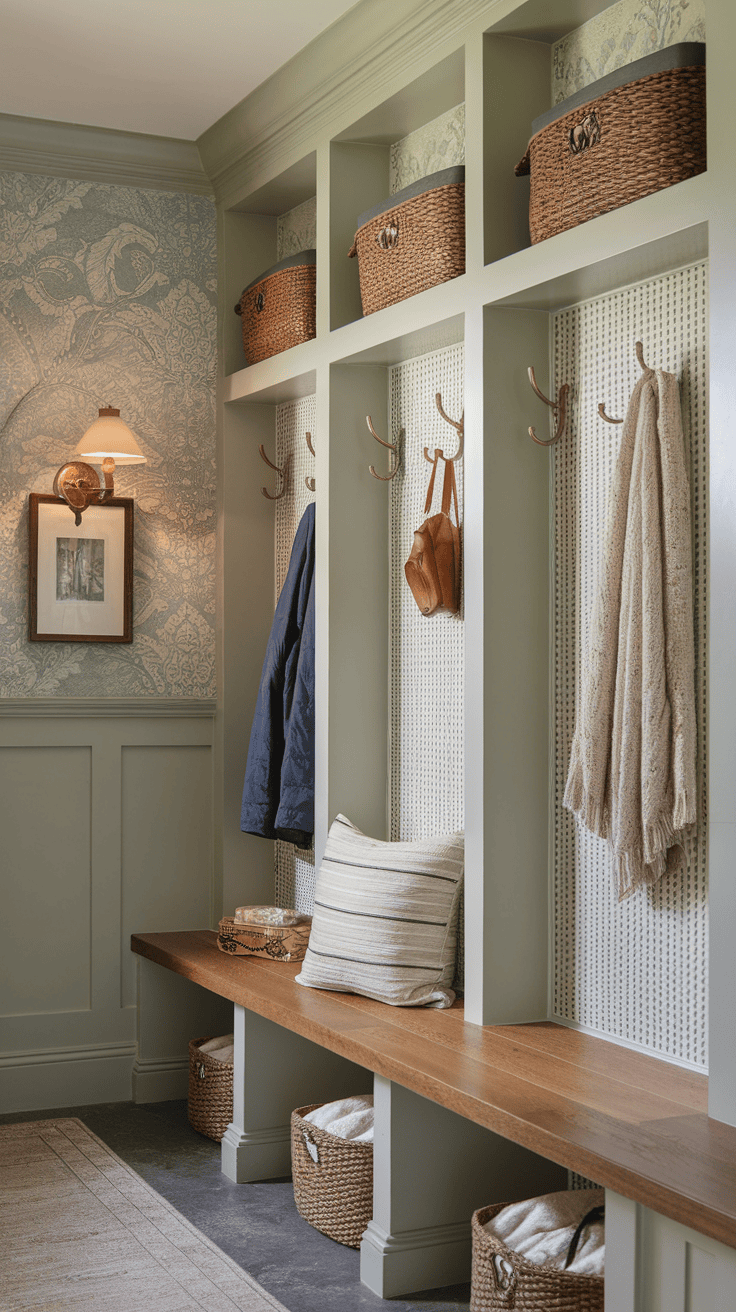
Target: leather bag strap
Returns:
[449, 486]
[430, 489]
[449, 489]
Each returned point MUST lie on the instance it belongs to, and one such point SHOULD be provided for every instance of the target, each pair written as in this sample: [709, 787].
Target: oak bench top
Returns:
[633, 1123]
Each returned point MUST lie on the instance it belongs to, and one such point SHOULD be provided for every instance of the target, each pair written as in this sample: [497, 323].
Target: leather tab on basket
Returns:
[388, 238]
[585, 134]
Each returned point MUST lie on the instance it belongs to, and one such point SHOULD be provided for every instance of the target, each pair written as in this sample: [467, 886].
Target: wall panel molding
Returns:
[147, 825]
[75, 150]
[46, 1056]
[106, 708]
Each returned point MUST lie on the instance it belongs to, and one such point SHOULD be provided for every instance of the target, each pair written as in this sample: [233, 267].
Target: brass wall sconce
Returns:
[107, 441]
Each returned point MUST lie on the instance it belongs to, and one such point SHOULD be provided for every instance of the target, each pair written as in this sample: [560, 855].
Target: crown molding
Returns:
[277, 122]
[106, 708]
[73, 150]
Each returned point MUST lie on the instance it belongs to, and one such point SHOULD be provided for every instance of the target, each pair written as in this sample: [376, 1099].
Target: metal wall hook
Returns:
[310, 482]
[558, 408]
[638, 347]
[390, 446]
[458, 425]
[640, 357]
[281, 473]
[603, 415]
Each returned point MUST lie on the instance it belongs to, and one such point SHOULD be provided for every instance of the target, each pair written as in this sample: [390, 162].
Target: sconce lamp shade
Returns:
[110, 436]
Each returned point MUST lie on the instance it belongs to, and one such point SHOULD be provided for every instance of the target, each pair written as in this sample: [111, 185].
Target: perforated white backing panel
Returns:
[635, 970]
[294, 868]
[427, 652]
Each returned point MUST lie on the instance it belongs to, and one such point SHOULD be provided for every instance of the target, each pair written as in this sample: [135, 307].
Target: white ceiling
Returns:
[168, 67]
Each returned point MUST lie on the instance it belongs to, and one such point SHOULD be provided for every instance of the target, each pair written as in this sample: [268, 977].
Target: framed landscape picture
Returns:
[80, 579]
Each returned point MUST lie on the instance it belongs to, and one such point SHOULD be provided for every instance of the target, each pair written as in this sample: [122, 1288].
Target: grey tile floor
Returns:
[257, 1225]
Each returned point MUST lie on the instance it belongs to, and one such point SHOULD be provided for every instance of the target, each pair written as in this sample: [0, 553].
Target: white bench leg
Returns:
[431, 1169]
[274, 1072]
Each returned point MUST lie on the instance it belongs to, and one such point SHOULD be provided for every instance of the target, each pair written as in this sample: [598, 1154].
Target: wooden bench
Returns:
[633, 1123]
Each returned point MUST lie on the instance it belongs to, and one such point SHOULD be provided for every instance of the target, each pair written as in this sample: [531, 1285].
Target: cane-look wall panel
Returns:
[427, 652]
[635, 970]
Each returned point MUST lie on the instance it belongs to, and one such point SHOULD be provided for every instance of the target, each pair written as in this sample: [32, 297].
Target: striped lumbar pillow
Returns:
[385, 918]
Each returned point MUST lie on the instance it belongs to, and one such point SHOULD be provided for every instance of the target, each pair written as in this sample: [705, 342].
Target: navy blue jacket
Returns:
[278, 793]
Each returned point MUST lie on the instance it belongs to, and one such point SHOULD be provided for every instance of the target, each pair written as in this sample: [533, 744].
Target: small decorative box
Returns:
[259, 938]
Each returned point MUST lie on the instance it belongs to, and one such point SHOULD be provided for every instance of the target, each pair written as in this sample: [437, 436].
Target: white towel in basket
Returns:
[348, 1118]
[220, 1049]
[541, 1230]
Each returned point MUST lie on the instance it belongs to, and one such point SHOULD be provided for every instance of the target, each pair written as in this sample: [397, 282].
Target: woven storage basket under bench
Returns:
[333, 1179]
[210, 1105]
[502, 1279]
[412, 241]
[635, 131]
[278, 308]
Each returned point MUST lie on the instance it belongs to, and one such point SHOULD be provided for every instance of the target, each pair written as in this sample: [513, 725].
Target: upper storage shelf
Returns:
[416, 132]
[276, 220]
[627, 147]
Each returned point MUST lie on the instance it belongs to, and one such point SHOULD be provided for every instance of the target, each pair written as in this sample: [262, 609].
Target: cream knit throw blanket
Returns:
[632, 768]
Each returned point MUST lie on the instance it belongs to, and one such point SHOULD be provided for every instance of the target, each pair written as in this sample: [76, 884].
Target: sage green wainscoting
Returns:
[106, 817]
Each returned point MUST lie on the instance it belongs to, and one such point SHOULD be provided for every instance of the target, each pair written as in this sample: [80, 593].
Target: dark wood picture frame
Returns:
[41, 568]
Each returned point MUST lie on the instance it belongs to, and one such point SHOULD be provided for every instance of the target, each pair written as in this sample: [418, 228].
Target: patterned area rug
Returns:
[79, 1231]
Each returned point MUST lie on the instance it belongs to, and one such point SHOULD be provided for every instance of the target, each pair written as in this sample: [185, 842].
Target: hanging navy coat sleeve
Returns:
[278, 791]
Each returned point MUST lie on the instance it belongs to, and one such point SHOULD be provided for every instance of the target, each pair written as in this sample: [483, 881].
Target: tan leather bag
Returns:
[433, 568]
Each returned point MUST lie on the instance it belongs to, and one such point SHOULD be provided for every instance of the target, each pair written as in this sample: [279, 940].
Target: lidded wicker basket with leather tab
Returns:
[333, 1179]
[412, 241]
[210, 1104]
[504, 1281]
[633, 132]
[278, 308]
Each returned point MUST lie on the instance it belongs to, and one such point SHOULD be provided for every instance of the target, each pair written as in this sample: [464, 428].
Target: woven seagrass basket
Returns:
[333, 1180]
[278, 309]
[635, 131]
[210, 1105]
[503, 1281]
[412, 241]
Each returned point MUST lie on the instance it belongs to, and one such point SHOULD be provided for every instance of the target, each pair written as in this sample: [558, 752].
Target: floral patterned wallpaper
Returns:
[108, 297]
[627, 31]
[437, 145]
[297, 230]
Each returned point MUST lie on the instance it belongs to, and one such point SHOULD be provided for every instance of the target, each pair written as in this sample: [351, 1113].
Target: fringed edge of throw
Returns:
[592, 814]
[685, 810]
[632, 871]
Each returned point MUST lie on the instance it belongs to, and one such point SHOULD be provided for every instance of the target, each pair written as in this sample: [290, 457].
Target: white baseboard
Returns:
[396, 1265]
[160, 1080]
[256, 1154]
[66, 1077]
